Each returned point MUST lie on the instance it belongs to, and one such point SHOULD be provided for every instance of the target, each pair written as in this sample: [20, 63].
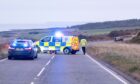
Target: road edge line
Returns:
[41, 72]
[3, 59]
[114, 74]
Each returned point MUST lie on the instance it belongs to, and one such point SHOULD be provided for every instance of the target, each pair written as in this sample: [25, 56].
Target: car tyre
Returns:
[66, 51]
[9, 57]
[32, 58]
[36, 56]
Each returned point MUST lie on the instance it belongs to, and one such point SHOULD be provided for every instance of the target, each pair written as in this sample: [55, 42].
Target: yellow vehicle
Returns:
[65, 44]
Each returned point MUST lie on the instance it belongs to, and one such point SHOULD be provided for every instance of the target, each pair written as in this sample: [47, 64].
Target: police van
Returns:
[65, 44]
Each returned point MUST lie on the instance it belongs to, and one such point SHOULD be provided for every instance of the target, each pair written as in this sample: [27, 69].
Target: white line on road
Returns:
[52, 57]
[32, 83]
[41, 72]
[108, 70]
[3, 60]
[47, 63]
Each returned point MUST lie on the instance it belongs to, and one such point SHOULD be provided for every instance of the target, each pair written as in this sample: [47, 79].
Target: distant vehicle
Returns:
[64, 44]
[20, 48]
[118, 38]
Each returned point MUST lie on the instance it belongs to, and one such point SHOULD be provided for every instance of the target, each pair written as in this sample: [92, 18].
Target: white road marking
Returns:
[108, 70]
[47, 63]
[35, 78]
[52, 57]
[32, 83]
[41, 72]
[3, 60]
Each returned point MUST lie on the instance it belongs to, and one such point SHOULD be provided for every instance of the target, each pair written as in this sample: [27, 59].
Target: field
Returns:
[125, 57]
[36, 34]
[104, 31]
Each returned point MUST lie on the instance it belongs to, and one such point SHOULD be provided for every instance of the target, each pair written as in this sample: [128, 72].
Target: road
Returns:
[57, 69]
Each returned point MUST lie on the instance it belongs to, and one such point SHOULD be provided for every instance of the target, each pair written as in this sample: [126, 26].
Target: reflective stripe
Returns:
[63, 43]
[46, 43]
[75, 43]
[68, 44]
[51, 43]
[57, 43]
[83, 42]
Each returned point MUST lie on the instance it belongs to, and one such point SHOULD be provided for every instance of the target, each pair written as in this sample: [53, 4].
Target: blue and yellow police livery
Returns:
[65, 44]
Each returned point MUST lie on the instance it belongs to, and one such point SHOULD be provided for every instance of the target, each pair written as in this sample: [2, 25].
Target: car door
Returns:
[45, 41]
[57, 42]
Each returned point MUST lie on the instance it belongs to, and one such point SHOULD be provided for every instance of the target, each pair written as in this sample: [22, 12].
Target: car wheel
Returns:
[55, 52]
[9, 57]
[32, 58]
[66, 51]
[36, 56]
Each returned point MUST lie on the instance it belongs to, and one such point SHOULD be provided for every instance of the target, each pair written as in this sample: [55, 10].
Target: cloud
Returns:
[43, 11]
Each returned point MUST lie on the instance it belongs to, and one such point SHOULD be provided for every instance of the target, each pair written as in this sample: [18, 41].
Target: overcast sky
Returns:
[52, 11]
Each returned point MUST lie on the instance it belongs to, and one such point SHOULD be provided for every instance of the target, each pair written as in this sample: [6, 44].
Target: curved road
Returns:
[59, 69]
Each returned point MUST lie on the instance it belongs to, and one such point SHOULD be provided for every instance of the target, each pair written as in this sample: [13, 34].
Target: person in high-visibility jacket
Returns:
[83, 44]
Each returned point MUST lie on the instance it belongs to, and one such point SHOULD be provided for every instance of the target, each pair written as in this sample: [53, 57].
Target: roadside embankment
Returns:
[125, 57]
[3, 50]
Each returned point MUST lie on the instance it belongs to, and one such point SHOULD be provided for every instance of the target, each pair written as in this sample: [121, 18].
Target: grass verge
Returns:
[125, 57]
[3, 51]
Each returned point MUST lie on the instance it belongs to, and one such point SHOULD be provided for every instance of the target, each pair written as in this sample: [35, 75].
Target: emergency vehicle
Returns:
[65, 44]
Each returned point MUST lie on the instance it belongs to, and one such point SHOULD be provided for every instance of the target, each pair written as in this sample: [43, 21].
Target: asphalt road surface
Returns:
[57, 69]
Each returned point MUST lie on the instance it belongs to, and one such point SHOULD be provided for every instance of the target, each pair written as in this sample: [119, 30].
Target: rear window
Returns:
[22, 43]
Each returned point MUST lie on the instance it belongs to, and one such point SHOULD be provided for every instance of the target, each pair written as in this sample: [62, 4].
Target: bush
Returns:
[3, 50]
[136, 39]
[120, 33]
[122, 56]
[33, 32]
[95, 37]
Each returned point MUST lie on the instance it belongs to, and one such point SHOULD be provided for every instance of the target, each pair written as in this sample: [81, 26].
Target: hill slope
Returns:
[109, 24]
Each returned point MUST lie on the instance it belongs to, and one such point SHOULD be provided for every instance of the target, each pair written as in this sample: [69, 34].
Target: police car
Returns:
[22, 48]
[64, 44]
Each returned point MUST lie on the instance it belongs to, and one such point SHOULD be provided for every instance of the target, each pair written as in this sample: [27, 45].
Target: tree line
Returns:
[109, 24]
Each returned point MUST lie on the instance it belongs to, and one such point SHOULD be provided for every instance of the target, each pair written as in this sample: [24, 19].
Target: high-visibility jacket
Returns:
[83, 42]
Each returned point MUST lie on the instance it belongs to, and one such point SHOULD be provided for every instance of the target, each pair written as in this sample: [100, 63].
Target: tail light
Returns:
[11, 48]
[28, 48]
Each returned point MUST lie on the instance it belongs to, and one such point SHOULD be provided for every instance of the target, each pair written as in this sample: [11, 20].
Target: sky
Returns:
[52, 13]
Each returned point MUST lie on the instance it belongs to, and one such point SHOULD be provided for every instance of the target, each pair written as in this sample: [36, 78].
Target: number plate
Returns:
[19, 49]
